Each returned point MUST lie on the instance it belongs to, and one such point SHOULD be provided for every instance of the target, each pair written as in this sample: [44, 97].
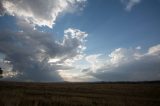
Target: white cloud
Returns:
[118, 55]
[54, 60]
[138, 47]
[155, 50]
[77, 77]
[94, 61]
[130, 4]
[122, 64]
[40, 12]
[127, 65]
[73, 42]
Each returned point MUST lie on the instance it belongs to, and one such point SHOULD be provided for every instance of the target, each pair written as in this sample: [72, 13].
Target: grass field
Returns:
[79, 94]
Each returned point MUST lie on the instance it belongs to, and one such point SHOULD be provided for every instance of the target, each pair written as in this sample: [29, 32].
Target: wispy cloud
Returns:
[129, 4]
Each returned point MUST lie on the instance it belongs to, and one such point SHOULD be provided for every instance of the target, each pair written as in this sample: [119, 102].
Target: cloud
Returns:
[128, 65]
[155, 50]
[130, 4]
[40, 12]
[29, 52]
[94, 61]
[138, 47]
[1, 9]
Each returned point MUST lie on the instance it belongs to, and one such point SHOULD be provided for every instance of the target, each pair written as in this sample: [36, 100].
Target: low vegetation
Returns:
[79, 94]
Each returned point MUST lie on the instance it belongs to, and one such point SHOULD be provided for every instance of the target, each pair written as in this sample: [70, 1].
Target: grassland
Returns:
[79, 94]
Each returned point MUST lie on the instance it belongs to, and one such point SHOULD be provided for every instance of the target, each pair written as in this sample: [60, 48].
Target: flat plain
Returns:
[80, 94]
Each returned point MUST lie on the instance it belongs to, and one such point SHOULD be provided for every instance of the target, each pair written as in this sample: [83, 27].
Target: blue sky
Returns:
[110, 26]
[116, 31]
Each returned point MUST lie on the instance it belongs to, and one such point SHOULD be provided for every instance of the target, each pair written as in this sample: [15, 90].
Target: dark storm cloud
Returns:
[29, 51]
[1, 9]
[23, 50]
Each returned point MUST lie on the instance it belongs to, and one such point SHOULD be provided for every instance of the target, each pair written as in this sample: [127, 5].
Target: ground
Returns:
[79, 94]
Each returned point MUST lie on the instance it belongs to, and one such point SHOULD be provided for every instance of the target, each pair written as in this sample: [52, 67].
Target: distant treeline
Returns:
[98, 82]
[127, 82]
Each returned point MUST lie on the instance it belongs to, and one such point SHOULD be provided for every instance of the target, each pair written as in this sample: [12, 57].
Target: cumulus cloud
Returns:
[28, 52]
[40, 12]
[128, 65]
[130, 4]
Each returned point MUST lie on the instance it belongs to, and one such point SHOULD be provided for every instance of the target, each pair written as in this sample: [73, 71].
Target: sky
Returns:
[80, 40]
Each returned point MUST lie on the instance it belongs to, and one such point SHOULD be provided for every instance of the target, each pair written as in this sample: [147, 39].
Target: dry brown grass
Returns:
[78, 94]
